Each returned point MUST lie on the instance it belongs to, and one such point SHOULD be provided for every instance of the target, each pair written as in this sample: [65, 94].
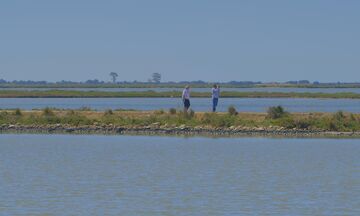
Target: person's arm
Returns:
[183, 95]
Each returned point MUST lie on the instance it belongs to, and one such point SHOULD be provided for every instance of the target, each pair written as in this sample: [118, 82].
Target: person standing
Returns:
[215, 93]
[186, 98]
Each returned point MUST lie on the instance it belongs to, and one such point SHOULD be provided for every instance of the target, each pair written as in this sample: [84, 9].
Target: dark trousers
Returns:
[186, 103]
[215, 103]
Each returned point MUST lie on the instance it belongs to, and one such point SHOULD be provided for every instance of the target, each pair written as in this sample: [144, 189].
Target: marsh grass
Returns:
[172, 111]
[108, 112]
[48, 112]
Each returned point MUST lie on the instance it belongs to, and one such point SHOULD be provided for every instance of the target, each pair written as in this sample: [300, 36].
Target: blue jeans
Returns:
[215, 103]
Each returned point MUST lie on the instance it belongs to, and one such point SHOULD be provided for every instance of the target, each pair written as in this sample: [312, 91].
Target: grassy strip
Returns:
[153, 94]
[275, 119]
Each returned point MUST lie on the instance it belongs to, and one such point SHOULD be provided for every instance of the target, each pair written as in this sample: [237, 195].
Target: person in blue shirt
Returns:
[215, 94]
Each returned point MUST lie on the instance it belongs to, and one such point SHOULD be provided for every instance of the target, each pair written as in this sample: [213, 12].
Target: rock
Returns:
[182, 127]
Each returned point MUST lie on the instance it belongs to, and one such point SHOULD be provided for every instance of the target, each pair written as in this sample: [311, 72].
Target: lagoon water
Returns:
[267, 89]
[198, 104]
[141, 175]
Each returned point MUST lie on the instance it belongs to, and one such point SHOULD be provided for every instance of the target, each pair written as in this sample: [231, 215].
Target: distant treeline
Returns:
[95, 83]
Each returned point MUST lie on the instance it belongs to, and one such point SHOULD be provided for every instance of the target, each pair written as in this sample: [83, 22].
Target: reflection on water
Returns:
[198, 104]
[134, 175]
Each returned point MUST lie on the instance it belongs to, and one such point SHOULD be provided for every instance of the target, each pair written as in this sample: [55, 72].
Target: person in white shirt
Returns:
[186, 98]
[215, 94]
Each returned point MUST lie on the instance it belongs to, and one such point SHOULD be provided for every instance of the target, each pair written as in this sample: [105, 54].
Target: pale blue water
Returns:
[136, 175]
[272, 89]
[198, 104]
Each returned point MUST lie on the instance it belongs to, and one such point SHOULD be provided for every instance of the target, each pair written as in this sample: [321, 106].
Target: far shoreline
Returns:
[170, 94]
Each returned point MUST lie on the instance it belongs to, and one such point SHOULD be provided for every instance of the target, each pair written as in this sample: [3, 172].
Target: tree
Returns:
[156, 77]
[113, 75]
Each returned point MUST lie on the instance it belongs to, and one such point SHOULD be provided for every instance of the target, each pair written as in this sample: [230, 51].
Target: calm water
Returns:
[134, 175]
[314, 90]
[198, 104]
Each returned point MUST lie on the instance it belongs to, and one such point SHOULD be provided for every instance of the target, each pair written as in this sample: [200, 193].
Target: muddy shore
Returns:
[182, 130]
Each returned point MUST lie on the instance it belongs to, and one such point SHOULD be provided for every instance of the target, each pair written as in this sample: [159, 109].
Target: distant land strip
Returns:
[169, 94]
[175, 122]
[98, 84]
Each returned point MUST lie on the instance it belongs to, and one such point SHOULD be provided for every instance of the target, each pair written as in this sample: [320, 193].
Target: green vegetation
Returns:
[48, 112]
[18, 112]
[339, 121]
[171, 94]
[172, 111]
[276, 112]
[108, 112]
[232, 110]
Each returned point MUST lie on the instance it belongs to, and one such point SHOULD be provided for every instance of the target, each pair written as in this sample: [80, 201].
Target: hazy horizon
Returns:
[214, 41]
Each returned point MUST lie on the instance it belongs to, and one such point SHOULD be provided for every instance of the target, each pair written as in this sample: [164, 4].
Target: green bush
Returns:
[47, 111]
[159, 112]
[172, 111]
[339, 116]
[108, 112]
[232, 110]
[18, 112]
[276, 112]
[286, 122]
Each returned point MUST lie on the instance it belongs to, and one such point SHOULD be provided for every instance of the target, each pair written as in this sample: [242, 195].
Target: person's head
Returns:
[215, 86]
[187, 87]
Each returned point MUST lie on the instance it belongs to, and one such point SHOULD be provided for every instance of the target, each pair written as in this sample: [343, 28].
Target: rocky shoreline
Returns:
[180, 130]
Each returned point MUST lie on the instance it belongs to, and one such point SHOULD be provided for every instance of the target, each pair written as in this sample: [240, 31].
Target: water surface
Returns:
[198, 104]
[135, 175]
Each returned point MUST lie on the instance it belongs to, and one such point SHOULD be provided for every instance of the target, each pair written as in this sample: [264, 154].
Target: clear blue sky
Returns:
[208, 40]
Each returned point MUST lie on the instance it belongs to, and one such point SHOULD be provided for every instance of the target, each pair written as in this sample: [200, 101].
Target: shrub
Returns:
[232, 110]
[47, 111]
[339, 116]
[159, 112]
[108, 112]
[276, 112]
[18, 112]
[338, 122]
[286, 122]
[172, 111]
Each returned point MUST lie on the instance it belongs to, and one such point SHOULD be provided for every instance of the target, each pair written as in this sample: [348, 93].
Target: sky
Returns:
[184, 40]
